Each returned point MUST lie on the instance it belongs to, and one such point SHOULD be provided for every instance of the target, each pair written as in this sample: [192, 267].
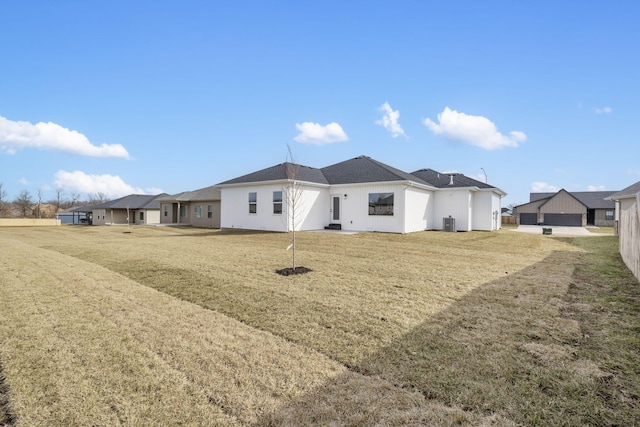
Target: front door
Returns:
[335, 209]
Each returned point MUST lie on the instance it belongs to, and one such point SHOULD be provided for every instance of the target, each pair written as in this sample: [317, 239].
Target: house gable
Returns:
[563, 202]
[364, 169]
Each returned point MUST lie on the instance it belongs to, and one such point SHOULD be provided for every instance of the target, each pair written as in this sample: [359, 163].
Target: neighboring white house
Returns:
[628, 225]
[132, 209]
[360, 194]
[199, 208]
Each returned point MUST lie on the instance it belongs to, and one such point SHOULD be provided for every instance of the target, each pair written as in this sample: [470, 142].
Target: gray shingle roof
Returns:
[132, 201]
[362, 169]
[446, 180]
[626, 193]
[279, 173]
[203, 194]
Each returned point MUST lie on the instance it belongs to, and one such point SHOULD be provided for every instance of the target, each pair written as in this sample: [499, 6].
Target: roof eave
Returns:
[271, 182]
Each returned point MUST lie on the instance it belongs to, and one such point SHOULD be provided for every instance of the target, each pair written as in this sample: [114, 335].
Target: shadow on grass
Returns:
[206, 232]
[512, 352]
[6, 415]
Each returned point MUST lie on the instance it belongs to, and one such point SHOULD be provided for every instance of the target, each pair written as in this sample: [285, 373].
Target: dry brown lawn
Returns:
[182, 326]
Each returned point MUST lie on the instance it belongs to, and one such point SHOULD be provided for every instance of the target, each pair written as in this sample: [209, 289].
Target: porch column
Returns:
[178, 212]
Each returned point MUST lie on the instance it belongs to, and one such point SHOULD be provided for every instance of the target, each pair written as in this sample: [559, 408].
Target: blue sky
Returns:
[146, 97]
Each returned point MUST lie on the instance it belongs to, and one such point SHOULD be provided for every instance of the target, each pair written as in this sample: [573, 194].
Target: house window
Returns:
[277, 202]
[166, 210]
[183, 211]
[197, 211]
[209, 211]
[253, 203]
[380, 203]
[141, 216]
[608, 215]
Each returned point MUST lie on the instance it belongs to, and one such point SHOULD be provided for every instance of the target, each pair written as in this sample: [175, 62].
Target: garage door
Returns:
[563, 219]
[528, 218]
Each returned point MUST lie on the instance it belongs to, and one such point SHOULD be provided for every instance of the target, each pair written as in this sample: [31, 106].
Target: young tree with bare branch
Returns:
[293, 197]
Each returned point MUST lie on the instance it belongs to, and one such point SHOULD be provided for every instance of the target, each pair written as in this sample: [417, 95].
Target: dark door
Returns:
[563, 219]
[528, 218]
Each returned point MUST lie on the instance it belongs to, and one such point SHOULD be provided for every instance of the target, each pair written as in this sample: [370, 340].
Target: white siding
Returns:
[419, 209]
[313, 202]
[454, 203]
[485, 205]
[312, 209]
[355, 208]
[415, 209]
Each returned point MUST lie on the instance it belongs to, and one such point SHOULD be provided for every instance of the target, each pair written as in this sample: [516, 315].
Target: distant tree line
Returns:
[27, 205]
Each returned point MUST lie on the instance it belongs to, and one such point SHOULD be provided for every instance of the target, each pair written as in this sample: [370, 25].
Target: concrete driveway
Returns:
[558, 230]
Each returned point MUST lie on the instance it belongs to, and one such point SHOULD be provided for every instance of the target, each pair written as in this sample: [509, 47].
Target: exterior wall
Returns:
[151, 216]
[168, 218]
[601, 218]
[454, 203]
[313, 208]
[414, 209]
[29, 222]
[110, 216]
[99, 217]
[419, 209]
[309, 216]
[563, 203]
[630, 234]
[355, 208]
[205, 221]
[485, 211]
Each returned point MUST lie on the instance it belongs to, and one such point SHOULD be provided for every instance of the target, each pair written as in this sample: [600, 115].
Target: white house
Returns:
[360, 194]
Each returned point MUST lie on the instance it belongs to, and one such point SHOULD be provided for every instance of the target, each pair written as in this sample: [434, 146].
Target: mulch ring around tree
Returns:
[290, 271]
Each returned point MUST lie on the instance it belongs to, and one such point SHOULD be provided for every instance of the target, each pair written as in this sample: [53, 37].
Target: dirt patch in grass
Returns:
[290, 271]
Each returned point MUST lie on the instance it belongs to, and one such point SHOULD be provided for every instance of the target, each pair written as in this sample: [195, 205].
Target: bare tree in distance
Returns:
[3, 197]
[97, 198]
[59, 191]
[39, 210]
[24, 202]
[293, 197]
[74, 199]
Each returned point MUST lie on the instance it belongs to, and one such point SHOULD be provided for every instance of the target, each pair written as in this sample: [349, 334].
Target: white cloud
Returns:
[604, 110]
[50, 136]
[596, 188]
[314, 133]
[473, 130]
[24, 181]
[543, 187]
[110, 185]
[390, 120]
[633, 172]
